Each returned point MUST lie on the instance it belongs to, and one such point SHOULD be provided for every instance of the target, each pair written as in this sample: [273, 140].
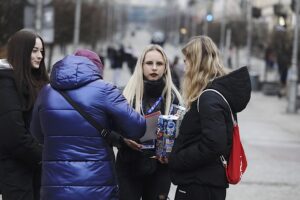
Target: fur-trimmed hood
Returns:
[4, 64]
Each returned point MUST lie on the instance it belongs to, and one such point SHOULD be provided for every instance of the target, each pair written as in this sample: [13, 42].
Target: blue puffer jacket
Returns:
[78, 164]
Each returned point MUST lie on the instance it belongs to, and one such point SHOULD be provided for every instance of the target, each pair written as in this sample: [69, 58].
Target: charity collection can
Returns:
[178, 111]
[165, 135]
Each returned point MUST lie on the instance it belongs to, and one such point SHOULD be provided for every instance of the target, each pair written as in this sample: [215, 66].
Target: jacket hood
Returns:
[6, 71]
[92, 56]
[73, 72]
[235, 87]
[4, 64]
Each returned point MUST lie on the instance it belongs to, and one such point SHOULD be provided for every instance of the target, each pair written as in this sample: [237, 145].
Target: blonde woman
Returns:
[150, 89]
[206, 129]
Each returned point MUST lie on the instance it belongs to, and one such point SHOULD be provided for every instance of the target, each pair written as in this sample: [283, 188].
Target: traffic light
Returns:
[209, 17]
[256, 12]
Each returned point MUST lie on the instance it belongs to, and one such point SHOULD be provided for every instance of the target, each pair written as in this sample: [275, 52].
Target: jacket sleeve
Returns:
[211, 140]
[129, 123]
[16, 141]
[35, 125]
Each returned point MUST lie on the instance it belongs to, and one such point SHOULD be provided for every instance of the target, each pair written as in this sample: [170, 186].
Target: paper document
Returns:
[151, 126]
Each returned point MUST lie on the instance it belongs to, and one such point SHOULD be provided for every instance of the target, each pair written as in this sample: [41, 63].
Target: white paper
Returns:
[151, 126]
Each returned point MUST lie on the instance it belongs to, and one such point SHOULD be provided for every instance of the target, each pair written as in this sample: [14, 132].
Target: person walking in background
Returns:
[149, 89]
[269, 58]
[174, 74]
[282, 45]
[130, 58]
[110, 53]
[22, 75]
[78, 163]
[117, 64]
[206, 129]
[230, 55]
[284, 62]
[270, 61]
[102, 57]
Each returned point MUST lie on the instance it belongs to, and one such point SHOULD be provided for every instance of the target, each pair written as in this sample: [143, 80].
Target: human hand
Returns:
[132, 144]
[162, 159]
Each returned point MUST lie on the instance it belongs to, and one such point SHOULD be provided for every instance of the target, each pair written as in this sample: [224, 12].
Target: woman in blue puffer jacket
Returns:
[78, 163]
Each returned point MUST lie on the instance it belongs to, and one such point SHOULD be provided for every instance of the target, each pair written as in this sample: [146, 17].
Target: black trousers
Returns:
[155, 186]
[18, 182]
[200, 192]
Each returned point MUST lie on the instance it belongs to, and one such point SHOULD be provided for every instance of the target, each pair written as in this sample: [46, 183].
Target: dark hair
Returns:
[28, 80]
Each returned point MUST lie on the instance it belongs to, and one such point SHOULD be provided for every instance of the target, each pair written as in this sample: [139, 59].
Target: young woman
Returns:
[206, 129]
[150, 89]
[22, 76]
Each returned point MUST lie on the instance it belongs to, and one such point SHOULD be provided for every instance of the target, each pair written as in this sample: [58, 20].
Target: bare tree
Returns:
[10, 22]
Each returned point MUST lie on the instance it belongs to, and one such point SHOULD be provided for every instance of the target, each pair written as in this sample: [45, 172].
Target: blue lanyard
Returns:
[154, 105]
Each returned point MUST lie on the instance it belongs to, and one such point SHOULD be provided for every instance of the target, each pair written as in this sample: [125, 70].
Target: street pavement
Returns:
[271, 139]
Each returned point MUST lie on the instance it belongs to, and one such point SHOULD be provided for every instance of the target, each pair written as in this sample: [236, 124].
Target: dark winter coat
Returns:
[138, 163]
[207, 134]
[78, 163]
[20, 153]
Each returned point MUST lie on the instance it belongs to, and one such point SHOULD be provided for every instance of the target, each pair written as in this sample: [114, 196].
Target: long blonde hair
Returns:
[203, 65]
[134, 90]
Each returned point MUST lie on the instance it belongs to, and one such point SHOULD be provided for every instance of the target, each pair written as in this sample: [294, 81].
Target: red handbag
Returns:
[237, 163]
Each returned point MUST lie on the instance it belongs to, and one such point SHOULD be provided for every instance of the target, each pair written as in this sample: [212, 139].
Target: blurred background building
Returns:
[177, 19]
[262, 34]
[243, 29]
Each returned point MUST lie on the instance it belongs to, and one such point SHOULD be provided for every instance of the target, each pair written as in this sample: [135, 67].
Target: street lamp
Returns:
[249, 32]
[223, 26]
[77, 24]
[39, 15]
[293, 71]
[209, 17]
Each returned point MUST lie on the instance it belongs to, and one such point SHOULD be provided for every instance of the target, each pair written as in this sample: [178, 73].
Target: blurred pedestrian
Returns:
[117, 64]
[174, 74]
[158, 38]
[206, 129]
[284, 62]
[229, 58]
[130, 58]
[282, 46]
[270, 61]
[102, 56]
[269, 58]
[110, 51]
[22, 75]
[78, 163]
[149, 89]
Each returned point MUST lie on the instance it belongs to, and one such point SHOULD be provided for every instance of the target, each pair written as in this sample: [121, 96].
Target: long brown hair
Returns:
[203, 64]
[27, 79]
